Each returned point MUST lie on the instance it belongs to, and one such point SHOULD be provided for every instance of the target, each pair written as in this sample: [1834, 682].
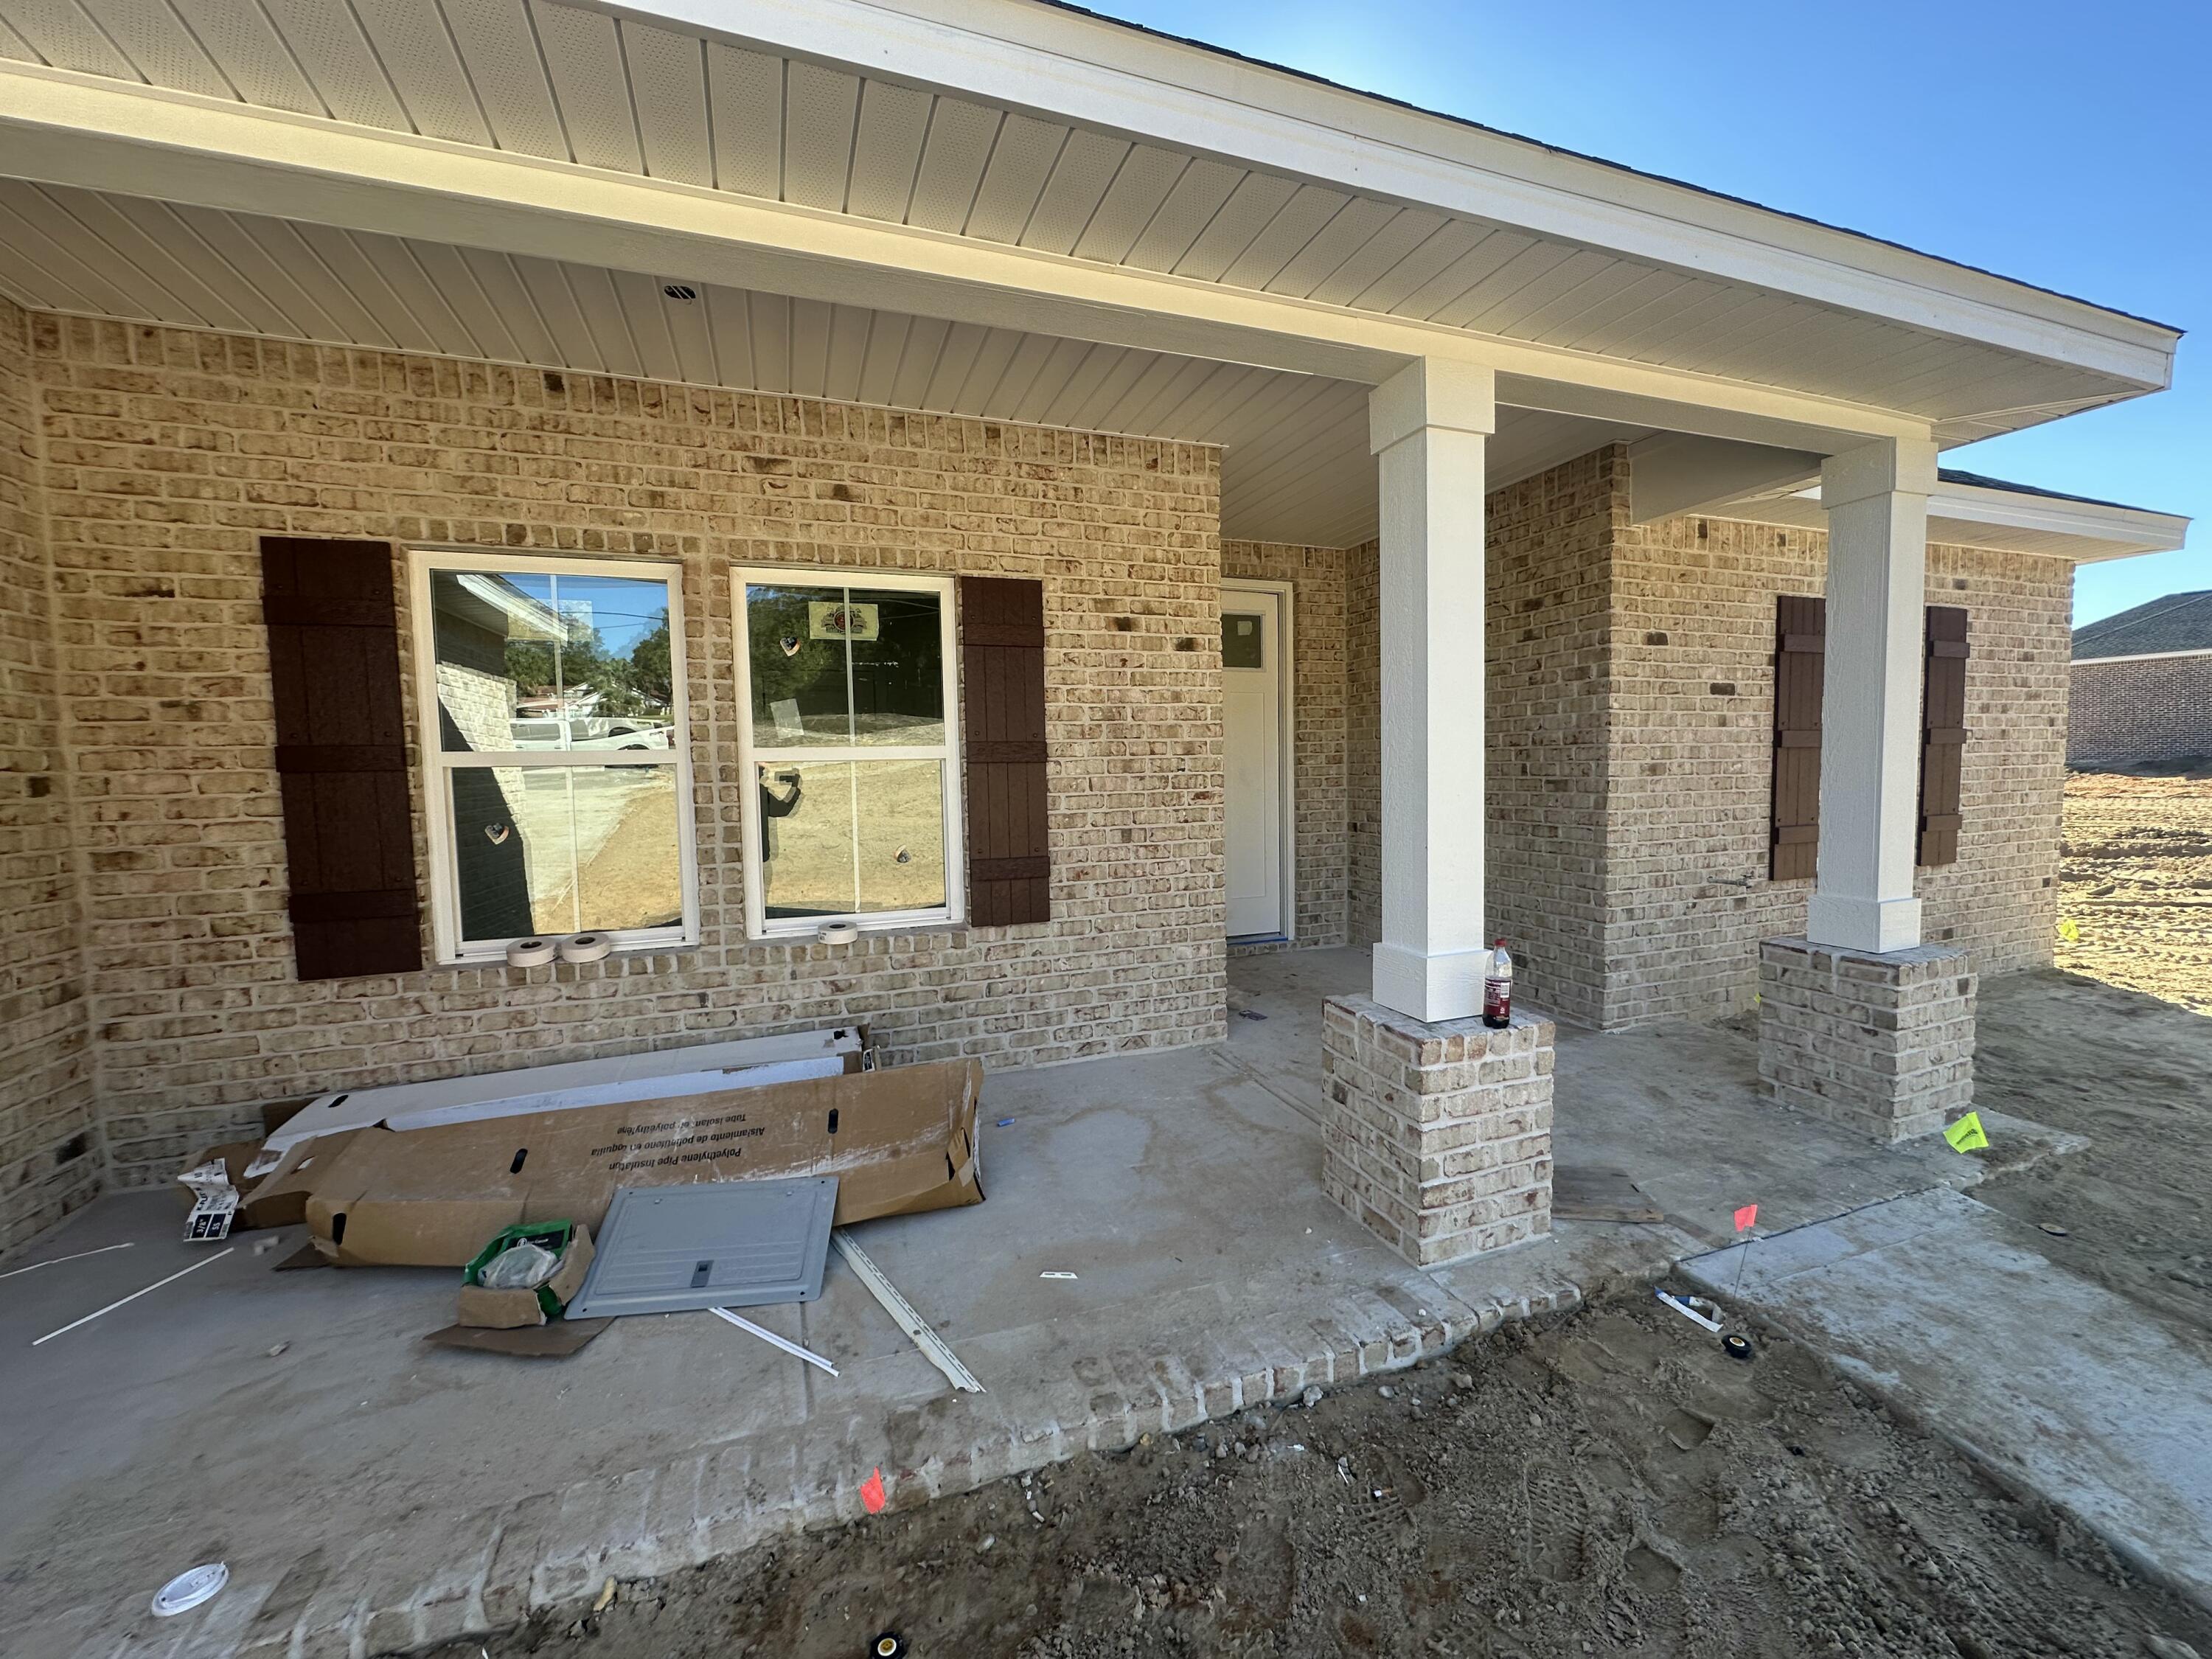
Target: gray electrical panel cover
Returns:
[717, 1244]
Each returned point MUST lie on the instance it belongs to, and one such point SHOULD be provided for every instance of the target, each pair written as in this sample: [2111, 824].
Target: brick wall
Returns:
[2140, 712]
[49, 1163]
[1630, 721]
[1687, 842]
[1317, 722]
[1550, 704]
[169, 451]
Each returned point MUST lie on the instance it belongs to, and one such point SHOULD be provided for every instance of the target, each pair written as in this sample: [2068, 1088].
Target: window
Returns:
[850, 733]
[560, 778]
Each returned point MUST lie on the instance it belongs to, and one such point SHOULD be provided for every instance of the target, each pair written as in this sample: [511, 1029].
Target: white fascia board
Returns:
[63, 127]
[2141, 656]
[1063, 65]
[2098, 531]
[2106, 531]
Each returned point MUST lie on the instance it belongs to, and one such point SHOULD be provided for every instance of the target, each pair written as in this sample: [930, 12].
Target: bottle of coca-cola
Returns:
[1497, 989]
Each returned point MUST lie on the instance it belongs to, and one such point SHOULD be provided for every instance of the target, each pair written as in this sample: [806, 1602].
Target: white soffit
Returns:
[667, 98]
[1297, 467]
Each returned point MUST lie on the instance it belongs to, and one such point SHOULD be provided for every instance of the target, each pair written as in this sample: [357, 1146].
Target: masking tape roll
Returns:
[530, 952]
[838, 932]
[584, 947]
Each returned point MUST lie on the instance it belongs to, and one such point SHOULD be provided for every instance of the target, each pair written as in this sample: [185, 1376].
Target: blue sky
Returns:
[2064, 145]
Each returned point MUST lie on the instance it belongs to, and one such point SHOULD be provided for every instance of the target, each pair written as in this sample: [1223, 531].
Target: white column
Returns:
[1428, 425]
[1876, 498]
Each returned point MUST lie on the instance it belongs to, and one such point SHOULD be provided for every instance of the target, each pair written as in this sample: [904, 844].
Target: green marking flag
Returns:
[1966, 1133]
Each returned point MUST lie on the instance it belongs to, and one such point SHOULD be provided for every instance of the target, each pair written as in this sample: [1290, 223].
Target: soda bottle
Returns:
[1497, 989]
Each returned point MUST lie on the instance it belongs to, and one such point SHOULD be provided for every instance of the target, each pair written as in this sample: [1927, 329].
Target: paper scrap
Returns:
[1055, 1275]
[1967, 1134]
[214, 1203]
[1746, 1216]
[871, 1493]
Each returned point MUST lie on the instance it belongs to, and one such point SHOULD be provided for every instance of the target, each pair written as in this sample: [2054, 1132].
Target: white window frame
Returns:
[953, 912]
[445, 873]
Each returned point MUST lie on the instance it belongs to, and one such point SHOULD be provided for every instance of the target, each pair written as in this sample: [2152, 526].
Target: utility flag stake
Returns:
[1967, 1135]
[1744, 1218]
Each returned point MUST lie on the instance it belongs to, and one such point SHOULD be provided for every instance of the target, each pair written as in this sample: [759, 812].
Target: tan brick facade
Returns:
[49, 1163]
[1439, 1138]
[1691, 757]
[1630, 721]
[1318, 802]
[1883, 1045]
[168, 453]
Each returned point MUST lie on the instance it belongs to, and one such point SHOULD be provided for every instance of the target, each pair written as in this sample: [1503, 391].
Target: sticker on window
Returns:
[836, 619]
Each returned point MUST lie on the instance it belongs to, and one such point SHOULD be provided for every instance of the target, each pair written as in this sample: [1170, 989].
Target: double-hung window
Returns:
[849, 714]
[559, 779]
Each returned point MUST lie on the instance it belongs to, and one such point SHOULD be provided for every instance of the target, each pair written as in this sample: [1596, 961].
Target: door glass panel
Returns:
[807, 840]
[901, 811]
[897, 642]
[796, 653]
[1241, 640]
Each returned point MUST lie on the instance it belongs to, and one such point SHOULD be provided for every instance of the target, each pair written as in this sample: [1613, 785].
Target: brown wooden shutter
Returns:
[1942, 733]
[1800, 660]
[340, 756]
[1002, 727]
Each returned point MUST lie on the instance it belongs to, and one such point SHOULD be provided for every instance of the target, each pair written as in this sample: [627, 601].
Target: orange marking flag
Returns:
[871, 1493]
[1746, 1216]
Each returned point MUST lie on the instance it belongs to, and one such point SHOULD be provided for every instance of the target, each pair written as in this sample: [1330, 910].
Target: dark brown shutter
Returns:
[1942, 733]
[1002, 728]
[340, 756]
[1800, 660]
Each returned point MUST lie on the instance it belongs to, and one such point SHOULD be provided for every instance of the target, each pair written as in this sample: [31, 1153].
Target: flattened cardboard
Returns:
[555, 1342]
[506, 1311]
[900, 1141]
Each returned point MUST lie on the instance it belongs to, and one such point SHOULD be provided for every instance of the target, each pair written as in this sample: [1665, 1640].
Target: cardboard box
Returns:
[505, 1311]
[900, 1141]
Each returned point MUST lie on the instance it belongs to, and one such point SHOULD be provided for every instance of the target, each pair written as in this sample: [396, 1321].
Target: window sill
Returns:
[938, 930]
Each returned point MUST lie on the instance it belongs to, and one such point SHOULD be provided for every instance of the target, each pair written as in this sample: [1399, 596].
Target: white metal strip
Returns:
[934, 1348]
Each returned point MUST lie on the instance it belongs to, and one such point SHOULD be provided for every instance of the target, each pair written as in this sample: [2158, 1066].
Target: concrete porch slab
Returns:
[373, 1493]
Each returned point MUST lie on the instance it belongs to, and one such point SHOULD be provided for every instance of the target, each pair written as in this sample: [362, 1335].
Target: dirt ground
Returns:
[2135, 905]
[1607, 1483]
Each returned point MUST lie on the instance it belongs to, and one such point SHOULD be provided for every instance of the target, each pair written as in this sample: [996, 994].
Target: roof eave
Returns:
[1061, 61]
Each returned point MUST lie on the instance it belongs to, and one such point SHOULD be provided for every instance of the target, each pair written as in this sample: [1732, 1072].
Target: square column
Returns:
[1428, 425]
[1876, 499]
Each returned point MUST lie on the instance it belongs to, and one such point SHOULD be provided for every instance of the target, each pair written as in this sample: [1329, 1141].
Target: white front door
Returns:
[1252, 722]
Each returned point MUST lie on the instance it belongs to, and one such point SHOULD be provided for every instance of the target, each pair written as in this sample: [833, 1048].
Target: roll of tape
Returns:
[530, 952]
[838, 932]
[584, 947]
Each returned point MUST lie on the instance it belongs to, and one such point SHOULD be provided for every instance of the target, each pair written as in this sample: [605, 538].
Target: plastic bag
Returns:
[521, 1266]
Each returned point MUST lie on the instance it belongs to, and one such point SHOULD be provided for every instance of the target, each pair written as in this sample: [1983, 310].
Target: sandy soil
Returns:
[1610, 1483]
[2135, 905]
[2129, 1071]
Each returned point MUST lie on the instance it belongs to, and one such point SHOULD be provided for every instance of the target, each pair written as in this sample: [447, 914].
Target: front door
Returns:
[1252, 723]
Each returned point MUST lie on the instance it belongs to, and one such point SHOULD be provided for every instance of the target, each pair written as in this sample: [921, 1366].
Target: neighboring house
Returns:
[2143, 685]
[1098, 498]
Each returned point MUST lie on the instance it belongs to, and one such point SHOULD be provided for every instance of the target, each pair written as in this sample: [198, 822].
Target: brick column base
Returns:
[1439, 1138]
[1882, 1044]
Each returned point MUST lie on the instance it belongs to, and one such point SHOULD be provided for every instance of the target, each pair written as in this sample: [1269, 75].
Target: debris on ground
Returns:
[1608, 1482]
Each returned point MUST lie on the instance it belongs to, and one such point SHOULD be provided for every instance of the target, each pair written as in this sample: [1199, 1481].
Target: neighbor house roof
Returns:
[2163, 627]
